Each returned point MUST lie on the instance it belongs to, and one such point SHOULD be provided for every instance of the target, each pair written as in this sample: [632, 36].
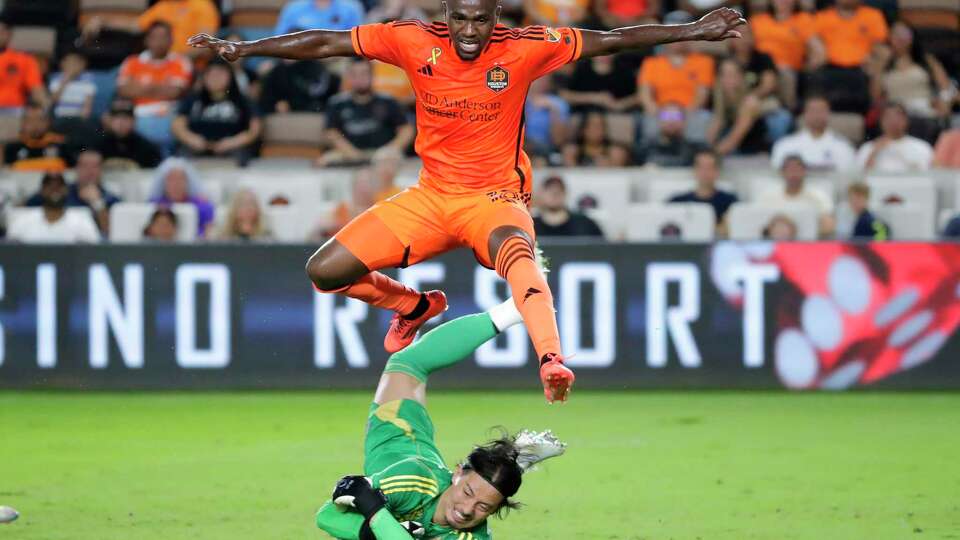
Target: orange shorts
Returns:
[418, 224]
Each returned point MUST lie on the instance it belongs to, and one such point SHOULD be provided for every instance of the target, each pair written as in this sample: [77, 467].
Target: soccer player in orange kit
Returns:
[470, 75]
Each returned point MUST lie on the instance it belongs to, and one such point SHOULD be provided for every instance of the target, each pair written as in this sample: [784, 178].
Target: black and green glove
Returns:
[358, 492]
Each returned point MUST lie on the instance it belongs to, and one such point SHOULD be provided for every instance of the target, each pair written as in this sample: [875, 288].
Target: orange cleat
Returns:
[402, 331]
[557, 378]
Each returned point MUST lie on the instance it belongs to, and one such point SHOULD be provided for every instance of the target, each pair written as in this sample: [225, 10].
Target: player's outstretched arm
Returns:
[717, 25]
[306, 45]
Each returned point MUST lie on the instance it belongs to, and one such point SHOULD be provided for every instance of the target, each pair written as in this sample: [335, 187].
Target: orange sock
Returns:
[379, 290]
[517, 264]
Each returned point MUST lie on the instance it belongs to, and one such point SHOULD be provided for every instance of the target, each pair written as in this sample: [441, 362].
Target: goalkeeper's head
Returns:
[482, 485]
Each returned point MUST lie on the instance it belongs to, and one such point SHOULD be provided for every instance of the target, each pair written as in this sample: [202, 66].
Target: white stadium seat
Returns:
[914, 191]
[747, 221]
[14, 214]
[127, 221]
[907, 223]
[696, 221]
[294, 223]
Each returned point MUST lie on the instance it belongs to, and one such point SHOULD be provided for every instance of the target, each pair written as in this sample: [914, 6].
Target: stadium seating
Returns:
[850, 125]
[909, 192]
[293, 135]
[662, 190]
[696, 221]
[37, 40]
[256, 13]
[127, 221]
[908, 222]
[747, 221]
[111, 10]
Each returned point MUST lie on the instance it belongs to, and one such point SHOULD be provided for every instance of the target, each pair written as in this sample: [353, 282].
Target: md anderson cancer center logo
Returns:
[497, 78]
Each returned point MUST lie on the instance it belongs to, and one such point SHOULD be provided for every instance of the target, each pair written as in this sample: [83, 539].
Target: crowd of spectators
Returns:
[772, 92]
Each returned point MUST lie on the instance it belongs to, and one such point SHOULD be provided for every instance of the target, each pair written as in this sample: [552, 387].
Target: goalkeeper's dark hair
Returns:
[496, 462]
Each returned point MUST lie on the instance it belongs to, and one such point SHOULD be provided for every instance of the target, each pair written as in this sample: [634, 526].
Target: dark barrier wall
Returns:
[804, 315]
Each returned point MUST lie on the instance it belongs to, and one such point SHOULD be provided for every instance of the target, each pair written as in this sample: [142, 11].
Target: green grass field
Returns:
[640, 465]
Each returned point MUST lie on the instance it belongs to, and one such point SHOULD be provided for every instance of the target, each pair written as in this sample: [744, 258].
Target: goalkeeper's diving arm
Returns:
[347, 524]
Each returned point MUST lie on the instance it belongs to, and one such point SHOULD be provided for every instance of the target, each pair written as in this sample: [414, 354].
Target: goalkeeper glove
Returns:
[358, 492]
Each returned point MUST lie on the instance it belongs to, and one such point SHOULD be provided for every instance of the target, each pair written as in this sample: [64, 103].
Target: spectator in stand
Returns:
[87, 191]
[946, 153]
[301, 85]
[706, 170]
[671, 148]
[786, 34]
[184, 18]
[396, 10]
[245, 221]
[780, 228]
[761, 78]
[856, 221]
[894, 151]
[39, 148]
[795, 191]
[620, 13]
[547, 116]
[319, 14]
[217, 120]
[676, 75]
[601, 83]
[907, 74]
[554, 217]
[593, 147]
[362, 196]
[735, 125]
[121, 146]
[385, 165]
[819, 146]
[176, 182]
[162, 226]
[360, 121]
[849, 32]
[72, 89]
[556, 12]
[155, 80]
[22, 81]
[52, 223]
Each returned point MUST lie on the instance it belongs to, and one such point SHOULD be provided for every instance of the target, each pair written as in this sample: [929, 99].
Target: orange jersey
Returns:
[174, 69]
[785, 41]
[849, 40]
[19, 75]
[676, 83]
[185, 17]
[470, 114]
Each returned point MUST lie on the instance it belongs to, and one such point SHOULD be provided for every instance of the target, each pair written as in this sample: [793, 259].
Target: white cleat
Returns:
[535, 447]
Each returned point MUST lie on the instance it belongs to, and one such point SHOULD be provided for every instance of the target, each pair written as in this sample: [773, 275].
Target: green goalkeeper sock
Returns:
[443, 346]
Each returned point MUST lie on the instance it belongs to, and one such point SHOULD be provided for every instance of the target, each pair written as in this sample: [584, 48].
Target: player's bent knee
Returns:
[501, 234]
[323, 276]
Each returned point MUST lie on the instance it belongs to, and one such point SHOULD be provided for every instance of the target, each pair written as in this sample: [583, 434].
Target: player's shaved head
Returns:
[471, 23]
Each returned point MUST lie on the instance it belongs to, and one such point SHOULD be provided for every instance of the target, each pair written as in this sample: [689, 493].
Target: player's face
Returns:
[471, 23]
[471, 499]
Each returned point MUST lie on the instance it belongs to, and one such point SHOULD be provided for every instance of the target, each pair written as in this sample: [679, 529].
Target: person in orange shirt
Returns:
[556, 12]
[20, 78]
[617, 13]
[185, 17]
[787, 35]
[154, 80]
[471, 76]
[676, 76]
[849, 32]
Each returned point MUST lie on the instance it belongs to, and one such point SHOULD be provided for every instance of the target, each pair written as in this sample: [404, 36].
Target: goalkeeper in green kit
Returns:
[407, 491]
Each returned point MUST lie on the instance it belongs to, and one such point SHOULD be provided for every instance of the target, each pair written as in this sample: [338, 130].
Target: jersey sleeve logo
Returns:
[497, 78]
[552, 35]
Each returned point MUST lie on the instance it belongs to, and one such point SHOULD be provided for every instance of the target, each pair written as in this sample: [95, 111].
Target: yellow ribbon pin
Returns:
[434, 54]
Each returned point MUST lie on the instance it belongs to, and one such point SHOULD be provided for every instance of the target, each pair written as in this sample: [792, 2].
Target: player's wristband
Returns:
[369, 502]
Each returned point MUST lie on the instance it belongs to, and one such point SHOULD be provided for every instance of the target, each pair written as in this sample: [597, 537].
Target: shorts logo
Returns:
[552, 35]
[497, 78]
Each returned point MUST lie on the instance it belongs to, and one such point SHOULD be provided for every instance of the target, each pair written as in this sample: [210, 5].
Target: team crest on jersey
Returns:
[552, 35]
[497, 78]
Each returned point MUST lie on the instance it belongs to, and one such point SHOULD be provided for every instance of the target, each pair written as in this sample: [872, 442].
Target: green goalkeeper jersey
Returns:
[403, 461]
